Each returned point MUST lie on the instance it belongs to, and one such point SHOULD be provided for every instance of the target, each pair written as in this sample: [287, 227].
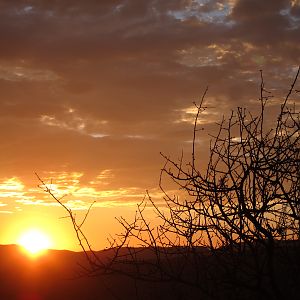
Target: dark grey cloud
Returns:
[264, 22]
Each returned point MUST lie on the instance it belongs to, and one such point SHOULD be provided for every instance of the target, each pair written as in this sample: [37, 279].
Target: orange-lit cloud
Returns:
[68, 188]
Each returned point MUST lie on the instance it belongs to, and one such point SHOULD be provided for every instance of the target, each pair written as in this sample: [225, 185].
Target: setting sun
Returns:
[34, 241]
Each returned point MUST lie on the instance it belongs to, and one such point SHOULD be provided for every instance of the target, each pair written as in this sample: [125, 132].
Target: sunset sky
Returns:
[92, 91]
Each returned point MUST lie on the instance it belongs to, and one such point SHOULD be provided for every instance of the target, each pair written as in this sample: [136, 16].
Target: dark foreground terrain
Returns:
[59, 275]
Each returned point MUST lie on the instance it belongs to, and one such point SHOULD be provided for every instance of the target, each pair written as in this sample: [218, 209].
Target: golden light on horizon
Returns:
[35, 242]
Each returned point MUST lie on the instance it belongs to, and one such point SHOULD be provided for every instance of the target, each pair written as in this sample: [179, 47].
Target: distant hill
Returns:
[58, 274]
[61, 274]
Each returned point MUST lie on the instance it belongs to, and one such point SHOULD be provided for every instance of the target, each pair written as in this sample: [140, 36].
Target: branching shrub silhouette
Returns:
[233, 233]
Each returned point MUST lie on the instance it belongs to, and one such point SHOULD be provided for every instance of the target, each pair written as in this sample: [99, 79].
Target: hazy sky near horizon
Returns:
[92, 91]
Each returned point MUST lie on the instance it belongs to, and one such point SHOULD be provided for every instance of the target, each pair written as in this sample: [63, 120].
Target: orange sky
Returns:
[92, 91]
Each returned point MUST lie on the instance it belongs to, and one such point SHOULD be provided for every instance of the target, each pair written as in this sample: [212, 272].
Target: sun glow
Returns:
[34, 241]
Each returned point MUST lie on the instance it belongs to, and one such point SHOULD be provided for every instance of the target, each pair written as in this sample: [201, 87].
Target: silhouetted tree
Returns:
[233, 230]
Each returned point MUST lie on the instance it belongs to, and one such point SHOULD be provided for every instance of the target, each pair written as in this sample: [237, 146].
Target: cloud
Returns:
[18, 73]
[71, 120]
[89, 86]
[210, 114]
[70, 190]
[36, 202]
[11, 184]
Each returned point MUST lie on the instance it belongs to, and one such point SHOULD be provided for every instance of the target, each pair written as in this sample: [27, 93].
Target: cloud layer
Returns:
[90, 86]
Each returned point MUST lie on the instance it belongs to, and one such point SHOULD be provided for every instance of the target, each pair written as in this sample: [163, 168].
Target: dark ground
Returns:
[58, 275]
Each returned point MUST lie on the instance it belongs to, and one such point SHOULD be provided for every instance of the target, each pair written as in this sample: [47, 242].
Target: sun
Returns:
[34, 241]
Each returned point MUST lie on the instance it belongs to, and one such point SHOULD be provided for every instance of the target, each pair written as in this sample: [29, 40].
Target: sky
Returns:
[92, 91]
